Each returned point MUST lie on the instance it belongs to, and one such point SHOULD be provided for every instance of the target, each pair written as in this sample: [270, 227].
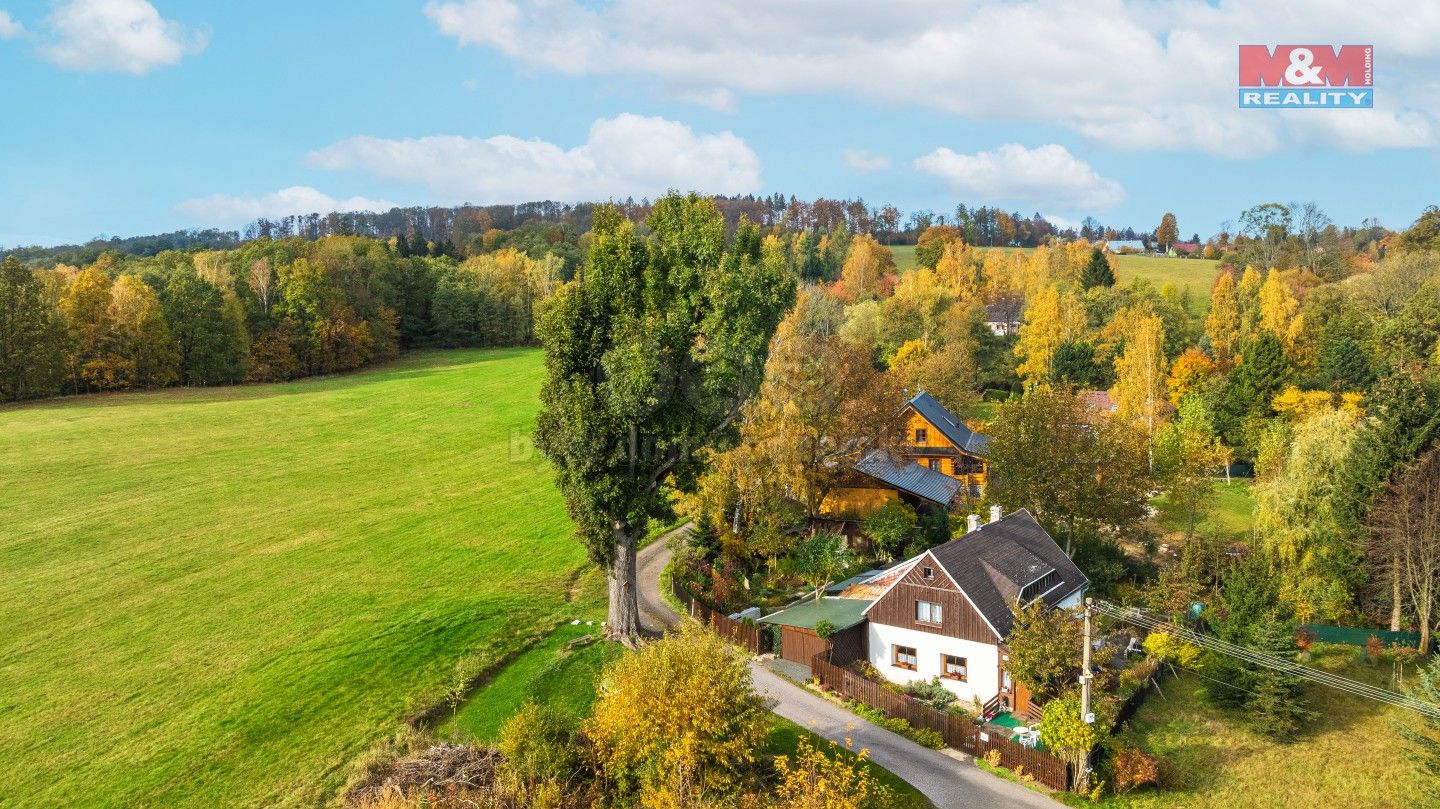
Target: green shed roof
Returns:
[842, 612]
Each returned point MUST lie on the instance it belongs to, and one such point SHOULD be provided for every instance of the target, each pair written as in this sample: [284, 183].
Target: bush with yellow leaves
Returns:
[678, 719]
[814, 779]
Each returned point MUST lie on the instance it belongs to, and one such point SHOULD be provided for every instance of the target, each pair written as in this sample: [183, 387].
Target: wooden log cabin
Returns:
[940, 464]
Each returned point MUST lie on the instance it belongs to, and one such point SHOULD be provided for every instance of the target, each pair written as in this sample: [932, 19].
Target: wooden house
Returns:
[936, 439]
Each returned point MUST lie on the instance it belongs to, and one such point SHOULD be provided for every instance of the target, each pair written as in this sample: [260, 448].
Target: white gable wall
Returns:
[982, 660]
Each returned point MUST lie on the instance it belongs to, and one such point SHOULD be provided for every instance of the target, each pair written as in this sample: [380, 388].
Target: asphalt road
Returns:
[950, 780]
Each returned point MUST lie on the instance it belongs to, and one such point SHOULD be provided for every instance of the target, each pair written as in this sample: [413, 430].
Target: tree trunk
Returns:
[1395, 595]
[624, 617]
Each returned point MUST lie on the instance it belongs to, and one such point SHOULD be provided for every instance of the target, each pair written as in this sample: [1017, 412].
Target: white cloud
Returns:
[628, 155]
[127, 36]
[9, 26]
[222, 209]
[1139, 74]
[862, 160]
[1047, 175]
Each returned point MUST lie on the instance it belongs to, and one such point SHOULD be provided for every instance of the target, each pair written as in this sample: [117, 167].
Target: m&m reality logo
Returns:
[1307, 76]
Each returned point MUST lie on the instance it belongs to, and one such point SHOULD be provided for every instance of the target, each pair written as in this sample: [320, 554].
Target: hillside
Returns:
[224, 596]
[1194, 275]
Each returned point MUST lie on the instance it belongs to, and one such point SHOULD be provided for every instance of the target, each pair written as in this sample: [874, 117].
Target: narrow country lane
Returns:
[949, 780]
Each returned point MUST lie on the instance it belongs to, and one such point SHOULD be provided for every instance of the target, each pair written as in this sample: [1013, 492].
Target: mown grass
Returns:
[223, 597]
[547, 673]
[1232, 513]
[1351, 756]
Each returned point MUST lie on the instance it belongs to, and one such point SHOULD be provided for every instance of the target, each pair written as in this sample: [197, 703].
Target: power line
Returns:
[1140, 618]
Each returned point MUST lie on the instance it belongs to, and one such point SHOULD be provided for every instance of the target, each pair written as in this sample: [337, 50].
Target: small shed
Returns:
[798, 641]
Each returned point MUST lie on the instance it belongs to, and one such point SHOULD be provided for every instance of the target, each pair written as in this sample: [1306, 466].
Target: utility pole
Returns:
[1083, 778]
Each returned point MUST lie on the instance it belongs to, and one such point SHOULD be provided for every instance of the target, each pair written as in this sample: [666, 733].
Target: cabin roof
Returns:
[910, 478]
[843, 613]
[993, 563]
[951, 427]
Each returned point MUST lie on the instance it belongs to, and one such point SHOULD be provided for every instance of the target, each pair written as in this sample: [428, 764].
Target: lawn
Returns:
[1232, 514]
[1351, 756]
[223, 597]
[548, 673]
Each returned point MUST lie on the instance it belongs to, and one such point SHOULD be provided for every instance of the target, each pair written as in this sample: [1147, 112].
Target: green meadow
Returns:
[224, 597]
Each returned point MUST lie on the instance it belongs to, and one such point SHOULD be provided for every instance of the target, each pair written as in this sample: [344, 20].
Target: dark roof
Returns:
[910, 478]
[843, 613]
[993, 563]
[1007, 311]
[945, 421]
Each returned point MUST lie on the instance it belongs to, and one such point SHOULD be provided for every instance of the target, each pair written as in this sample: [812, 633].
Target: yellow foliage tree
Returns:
[1222, 324]
[1051, 318]
[678, 718]
[1278, 308]
[956, 269]
[868, 262]
[1299, 405]
[1139, 390]
[1189, 372]
[1248, 294]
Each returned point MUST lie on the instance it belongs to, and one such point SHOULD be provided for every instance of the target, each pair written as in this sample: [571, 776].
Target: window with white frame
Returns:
[928, 612]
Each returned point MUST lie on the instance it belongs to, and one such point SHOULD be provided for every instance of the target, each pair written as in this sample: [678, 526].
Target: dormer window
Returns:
[921, 435]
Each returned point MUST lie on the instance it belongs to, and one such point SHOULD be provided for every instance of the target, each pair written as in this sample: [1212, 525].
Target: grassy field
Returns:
[1351, 756]
[547, 673]
[223, 597]
[1232, 517]
[1194, 276]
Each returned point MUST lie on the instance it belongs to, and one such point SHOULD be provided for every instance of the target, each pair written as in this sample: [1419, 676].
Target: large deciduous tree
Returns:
[1405, 540]
[1076, 470]
[1168, 233]
[30, 356]
[650, 356]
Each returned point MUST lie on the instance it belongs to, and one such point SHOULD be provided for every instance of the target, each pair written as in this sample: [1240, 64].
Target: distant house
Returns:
[945, 613]
[1183, 248]
[1003, 317]
[1125, 246]
[938, 460]
[1098, 401]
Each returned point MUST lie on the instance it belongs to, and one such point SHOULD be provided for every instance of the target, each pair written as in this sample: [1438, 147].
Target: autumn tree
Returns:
[141, 335]
[30, 336]
[820, 559]
[932, 243]
[90, 338]
[1077, 473]
[1168, 232]
[814, 780]
[1405, 534]
[1278, 309]
[1140, 375]
[1070, 737]
[1051, 318]
[1192, 369]
[1312, 556]
[678, 717]
[650, 358]
[867, 263]
[1222, 323]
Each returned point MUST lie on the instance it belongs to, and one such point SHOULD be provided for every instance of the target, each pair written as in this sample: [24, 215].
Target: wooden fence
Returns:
[748, 635]
[959, 732]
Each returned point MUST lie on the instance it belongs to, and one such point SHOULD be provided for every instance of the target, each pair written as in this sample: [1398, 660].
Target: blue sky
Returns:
[127, 117]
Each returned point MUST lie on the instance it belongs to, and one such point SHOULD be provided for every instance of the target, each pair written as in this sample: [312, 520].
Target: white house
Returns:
[948, 613]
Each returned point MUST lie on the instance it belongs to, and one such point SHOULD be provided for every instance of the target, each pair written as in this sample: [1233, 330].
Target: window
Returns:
[1039, 587]
[921, 434]
[952, 667]
[904, 657]
[935, 464]
[928, 573]
[927, 612]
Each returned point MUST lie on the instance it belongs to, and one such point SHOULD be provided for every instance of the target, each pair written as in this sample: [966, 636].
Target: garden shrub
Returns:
[931, 692]
[538, 751]
[1131, 768]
